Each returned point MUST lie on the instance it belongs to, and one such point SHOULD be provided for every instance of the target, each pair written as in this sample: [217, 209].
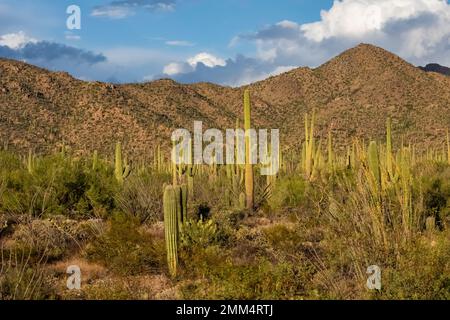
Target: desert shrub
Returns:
[141, 197]
[58, 186]
[435, 179]
[198, 234]
[422, 272]
[261, 280]
[289, 192]
[125, 249]
[21, 278]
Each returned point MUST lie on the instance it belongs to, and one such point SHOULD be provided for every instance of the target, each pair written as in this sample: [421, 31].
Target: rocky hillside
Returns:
[352, 94]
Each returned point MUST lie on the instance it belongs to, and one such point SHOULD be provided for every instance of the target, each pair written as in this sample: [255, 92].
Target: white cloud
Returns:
[207, 59]
[113, 12]
[16, 40]
[179, 43]
[120, 9]
[176, 68]
[417, 30]
[356, 18]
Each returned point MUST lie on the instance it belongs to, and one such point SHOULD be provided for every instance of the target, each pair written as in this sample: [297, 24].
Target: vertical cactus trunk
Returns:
[30, 162]
[249, 187]
[171, 203]
[448, 148]
[389, 154]
[374, 163]
[95, 160]
[310, 150]
[330, 153]
[121, 169]
[184, 203]
[118, 166]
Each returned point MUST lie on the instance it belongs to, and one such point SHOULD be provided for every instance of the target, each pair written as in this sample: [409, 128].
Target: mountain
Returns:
[434, 67]
[352, 95]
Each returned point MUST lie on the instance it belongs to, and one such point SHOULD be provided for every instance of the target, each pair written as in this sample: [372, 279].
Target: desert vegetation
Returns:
[142, 229]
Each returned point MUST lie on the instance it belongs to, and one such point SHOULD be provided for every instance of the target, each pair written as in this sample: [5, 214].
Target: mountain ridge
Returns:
[352, 94]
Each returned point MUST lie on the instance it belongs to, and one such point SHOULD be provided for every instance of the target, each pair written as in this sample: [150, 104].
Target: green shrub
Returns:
[126, 250]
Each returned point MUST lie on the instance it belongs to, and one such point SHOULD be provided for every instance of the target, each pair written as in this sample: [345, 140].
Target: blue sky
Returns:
[230, 42]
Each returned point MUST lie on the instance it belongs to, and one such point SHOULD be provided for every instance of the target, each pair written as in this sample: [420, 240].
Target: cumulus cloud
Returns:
[190, 65]
[20, 47]
[205, 67]
[125, 8]
[16, 40]
[416, 30]
[50, 55]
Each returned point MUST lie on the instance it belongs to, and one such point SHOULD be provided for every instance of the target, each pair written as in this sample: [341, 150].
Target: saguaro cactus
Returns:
[95, 160]
[448, 148]
[30, 162]
[389, 154]
[330, 153]
[121, 170]
[249, 187]
[171, 203]
[374, 162]
[309, 147]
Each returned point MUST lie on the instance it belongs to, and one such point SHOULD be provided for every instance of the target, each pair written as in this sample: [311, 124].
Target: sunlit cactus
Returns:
[121, 169]
[249, 187]
[171, 203]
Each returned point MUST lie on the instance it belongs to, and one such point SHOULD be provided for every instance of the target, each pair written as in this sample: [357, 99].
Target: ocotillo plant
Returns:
[171, 203]
[121, 170]
[249, 187]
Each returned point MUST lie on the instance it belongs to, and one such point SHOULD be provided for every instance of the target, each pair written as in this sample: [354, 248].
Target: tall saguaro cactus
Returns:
[309, 147]
[448, 148]
[30, 162]
[171, 203]
[249, 187]
[121, 170]
[374, 162]
[389, 154]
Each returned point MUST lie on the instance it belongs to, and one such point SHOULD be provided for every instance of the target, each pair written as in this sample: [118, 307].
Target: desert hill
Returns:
[352, 94]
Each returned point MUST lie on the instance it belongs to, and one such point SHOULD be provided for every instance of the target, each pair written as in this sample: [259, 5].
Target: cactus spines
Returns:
[171, 203]
[121, 170]
[249, 187]
[374, 162]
